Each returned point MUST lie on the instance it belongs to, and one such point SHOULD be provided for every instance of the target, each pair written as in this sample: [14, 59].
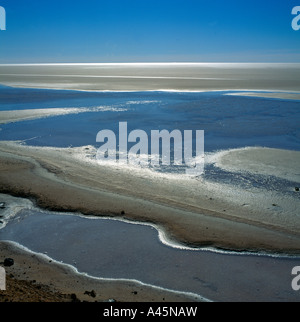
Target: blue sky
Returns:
[149, 30]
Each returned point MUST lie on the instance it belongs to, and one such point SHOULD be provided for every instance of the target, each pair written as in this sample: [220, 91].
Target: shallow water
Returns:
[228, 121]
[115, 249]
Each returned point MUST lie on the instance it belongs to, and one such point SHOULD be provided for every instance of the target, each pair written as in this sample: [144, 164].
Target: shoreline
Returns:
[13, 205]
[63, 281]
[256, 93]
[189, 293]
[44, 279]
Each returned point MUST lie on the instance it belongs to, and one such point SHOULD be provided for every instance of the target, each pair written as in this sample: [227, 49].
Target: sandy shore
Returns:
[35, 278]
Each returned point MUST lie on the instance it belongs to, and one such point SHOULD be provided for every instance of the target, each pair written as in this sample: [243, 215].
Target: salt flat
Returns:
[154, 76]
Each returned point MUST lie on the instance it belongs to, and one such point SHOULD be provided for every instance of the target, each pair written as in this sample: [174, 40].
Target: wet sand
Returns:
[190, 211]
[280, 163]
[58, 282]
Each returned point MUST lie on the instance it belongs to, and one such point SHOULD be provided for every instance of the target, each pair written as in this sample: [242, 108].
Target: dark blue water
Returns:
[228, 121]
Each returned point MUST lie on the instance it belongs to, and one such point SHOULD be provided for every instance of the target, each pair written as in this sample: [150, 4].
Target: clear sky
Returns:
[149, 30]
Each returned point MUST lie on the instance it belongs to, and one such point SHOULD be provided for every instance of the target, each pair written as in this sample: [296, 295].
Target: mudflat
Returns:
[192, 213]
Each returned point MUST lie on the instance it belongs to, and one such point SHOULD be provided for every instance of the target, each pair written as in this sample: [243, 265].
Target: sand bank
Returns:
[280, 95]
[193, 212]
[33, 114]
[280, 163]
[24, 115]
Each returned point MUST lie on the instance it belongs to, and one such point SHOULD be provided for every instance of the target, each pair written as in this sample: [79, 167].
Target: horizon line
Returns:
[150, 63]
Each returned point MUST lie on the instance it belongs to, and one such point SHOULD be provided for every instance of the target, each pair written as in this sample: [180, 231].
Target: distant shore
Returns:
[281, 95]
[155, 76]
